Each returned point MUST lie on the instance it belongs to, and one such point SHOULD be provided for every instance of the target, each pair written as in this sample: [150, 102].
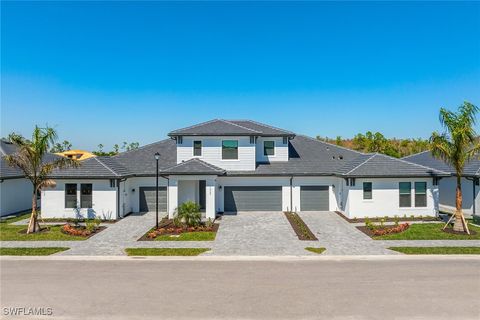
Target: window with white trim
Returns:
[268, 148]
[405, 191]
[367, 191]
[197, 148]
[420, 194]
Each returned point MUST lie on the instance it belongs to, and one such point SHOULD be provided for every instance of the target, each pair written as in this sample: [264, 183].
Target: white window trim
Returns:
[363, 192]
[274, 147]
[193, 149]
[238, 150]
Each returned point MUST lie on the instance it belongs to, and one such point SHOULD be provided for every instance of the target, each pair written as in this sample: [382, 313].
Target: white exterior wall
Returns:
[104, 200]
[212, 152]
[130, 189]
[385, 199]
[335, 190]
[185, 188]
[15, 196]
[447, 191]
[281, 150]
[284, 182]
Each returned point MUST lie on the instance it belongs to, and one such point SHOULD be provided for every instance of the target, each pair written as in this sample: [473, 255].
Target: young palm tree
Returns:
[456, 146]
[30, 158]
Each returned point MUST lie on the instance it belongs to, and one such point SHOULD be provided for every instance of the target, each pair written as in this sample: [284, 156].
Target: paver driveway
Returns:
[258, 233]
[341, 237]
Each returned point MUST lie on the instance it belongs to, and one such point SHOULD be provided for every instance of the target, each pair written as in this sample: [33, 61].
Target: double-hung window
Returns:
[420, 194]
[367, 190]
[197, 148]
[405, 189]
[86, 195]
[268, 148]
[229, 149]
[70, 195]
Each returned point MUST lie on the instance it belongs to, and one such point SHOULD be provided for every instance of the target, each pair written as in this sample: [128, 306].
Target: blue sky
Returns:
[118, 71]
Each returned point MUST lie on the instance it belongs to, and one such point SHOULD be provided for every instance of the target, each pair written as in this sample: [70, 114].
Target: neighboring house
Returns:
[15, 189]
[242, 165]
[76, 154]
[448, 185]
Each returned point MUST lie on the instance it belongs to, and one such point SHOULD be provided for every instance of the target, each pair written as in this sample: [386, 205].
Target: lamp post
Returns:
[157, 156]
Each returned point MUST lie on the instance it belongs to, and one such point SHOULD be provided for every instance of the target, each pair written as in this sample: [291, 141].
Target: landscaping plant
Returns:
[31, 159]
[188, 213]
[456, 146]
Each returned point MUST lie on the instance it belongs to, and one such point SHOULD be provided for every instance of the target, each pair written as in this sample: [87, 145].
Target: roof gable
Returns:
[193, 166]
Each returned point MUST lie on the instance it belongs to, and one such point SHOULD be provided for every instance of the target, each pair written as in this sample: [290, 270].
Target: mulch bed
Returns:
[46, 230]
[362, 220]
[300, 228]
[168, 223]
[450, 230]
[370, 233]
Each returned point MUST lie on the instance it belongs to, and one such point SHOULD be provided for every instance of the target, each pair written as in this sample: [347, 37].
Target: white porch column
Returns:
[172, 197]
[210, 198]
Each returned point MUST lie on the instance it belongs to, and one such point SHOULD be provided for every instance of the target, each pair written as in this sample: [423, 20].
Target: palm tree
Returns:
[456, 146]
[30, 158]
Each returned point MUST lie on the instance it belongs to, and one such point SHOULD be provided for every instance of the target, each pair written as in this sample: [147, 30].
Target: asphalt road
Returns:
[329, 289]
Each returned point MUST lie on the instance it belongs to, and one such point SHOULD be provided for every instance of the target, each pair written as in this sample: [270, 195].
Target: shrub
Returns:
[92, 224]
[188, 213]
[369, 224]
[396, 221]
[209, 223]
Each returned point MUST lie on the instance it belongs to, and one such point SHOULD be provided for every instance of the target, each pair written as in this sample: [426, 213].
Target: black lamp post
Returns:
[157, 156]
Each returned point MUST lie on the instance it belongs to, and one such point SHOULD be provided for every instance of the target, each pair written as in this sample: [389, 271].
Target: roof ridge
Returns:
[178, 164]
[266, 125]
[240, 126]
[196, 125]
[412, 155]
[408, 162]
[211, 166]
[331, 144]
[361, 164]
[103, 164]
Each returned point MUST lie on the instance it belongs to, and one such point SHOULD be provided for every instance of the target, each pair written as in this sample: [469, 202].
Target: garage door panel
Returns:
[314, 198]
[253, 198]
[147, 199]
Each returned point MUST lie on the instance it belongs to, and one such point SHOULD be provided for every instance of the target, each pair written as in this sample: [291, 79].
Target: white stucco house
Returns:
[447, 186]
[15, 190]
[242, 165]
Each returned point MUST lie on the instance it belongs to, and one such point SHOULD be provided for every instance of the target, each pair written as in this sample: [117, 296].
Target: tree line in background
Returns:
[377, 142]
[66, 146]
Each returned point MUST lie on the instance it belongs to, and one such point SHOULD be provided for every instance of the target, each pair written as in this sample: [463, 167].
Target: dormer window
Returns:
[269, 148]
[197, 148]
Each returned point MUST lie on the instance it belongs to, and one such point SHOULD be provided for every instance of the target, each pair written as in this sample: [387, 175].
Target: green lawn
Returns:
[165, 251]
[315, 250]
[437, 250]
[189, 236]
[30, 251]
[429, 231]
[9, 232]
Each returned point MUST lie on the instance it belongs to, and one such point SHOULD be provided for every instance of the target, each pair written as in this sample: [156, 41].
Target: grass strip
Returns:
[165, 251]
[437, 250]
[315, 250]
[31, 251]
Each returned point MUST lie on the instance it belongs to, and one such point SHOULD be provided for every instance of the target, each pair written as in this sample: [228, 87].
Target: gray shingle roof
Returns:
[380, 165]
[426, 158]
[8, 172]
[193, 166]
[220, 127]
[95, 167]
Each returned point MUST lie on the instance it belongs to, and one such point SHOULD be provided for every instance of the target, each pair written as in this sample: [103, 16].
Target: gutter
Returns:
[291, 194]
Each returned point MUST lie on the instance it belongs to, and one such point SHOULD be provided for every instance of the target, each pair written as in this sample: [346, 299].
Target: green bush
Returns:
[92, 224]
[188, 213]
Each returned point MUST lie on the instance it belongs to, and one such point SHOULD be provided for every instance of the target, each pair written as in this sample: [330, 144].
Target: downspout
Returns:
[118, 198]
[291, 194]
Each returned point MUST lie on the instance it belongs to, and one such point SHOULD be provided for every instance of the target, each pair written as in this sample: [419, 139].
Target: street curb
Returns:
[247, 258]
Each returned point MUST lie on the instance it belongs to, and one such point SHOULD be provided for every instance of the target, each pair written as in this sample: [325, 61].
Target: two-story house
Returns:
[241, 165]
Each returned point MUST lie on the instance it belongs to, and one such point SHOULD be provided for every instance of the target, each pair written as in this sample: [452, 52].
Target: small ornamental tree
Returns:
[30, 158]
[456, 146]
